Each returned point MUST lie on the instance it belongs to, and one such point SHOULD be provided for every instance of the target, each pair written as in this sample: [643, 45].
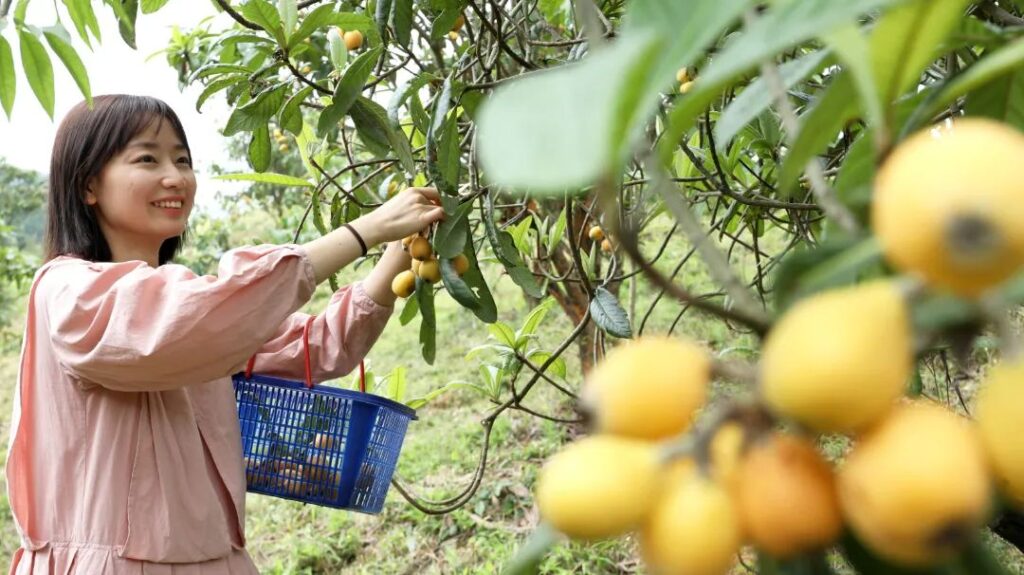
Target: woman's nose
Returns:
[173, 177]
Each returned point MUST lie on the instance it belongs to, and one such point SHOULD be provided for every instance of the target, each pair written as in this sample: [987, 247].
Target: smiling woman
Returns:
[127, 154]
[124, 388]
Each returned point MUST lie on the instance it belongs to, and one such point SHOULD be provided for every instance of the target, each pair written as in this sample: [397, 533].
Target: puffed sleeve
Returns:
[130, 327]
[339, 338]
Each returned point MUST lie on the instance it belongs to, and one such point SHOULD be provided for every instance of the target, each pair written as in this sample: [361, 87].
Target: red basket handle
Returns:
[309, 370]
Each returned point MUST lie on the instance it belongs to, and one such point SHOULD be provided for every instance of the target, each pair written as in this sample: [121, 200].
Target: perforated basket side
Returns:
[324, 446]
[383, 446]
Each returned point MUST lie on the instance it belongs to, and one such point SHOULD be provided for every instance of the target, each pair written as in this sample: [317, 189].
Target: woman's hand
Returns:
[408, 212]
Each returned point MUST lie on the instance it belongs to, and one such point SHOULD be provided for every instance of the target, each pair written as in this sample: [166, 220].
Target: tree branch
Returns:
[236, 16]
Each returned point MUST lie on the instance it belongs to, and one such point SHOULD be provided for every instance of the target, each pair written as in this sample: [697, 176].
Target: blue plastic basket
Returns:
[316, 444]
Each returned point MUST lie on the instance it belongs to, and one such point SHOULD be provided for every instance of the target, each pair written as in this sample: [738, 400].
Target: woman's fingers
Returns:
[430, 194]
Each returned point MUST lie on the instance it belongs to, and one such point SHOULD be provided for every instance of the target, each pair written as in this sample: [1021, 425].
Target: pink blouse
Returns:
[125, 455]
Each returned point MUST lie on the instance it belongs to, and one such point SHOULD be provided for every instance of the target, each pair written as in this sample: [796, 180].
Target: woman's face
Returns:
[144, 194]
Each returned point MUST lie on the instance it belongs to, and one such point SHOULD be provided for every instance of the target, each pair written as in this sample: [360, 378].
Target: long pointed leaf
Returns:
[72, 62]
[403, 17]
[756, 97]
[428, 324]
[38, 69]
[8, 85]
[348, 90]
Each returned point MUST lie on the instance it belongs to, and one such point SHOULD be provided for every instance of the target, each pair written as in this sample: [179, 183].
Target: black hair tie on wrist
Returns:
[359, 238]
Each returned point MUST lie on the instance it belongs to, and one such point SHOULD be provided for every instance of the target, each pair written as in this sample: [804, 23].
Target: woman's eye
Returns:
[146, 158]
[185, 160]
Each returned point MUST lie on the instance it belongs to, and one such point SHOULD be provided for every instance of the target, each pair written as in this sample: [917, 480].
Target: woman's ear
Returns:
[90, 196]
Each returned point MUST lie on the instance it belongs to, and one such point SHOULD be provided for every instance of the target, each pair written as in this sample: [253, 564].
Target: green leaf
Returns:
[259, 149]
[1000, 99]
[267, 178]
[402, 93]
[419, 116]
[853, 48]
[856, 176]
[71, 61]
[784, 25]
[288, 10]
[904, 41]
[409, 311]
[434, 133]
[428, 325]
[264, 15]
[557, 367]
[38, 69]
[609, 315]
[218, 68]
[381, 16]
[457, 288]
[402, 19]
[8, 82]
[444, 22]
[1005, 60]
[450, 238]
[218, 85]
[325, 15]
[320, 17]
[371, 119]
[536, 316]
[818, 128]
[84, 18]
[527, 558]
[19, 11]
[290, 116]
[487, 311]
[503, 333]
[756, 97]
[348, 90]
[337, 49]
[150, 6]
[127, 13]
[316, 203]
[257, 112]
[552, 129]
[525, 279]
[449, 153]
[397, 384]
[505, 250]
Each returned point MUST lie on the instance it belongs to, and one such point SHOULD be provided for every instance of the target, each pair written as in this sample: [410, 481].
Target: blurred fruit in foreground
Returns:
[949, 205]
[787, 497]
[916, 489]
[648, 388]
[837, 360]
[600, 486]
[999, 412]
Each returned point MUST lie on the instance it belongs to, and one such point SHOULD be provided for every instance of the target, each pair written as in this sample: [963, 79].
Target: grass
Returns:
[442, 450]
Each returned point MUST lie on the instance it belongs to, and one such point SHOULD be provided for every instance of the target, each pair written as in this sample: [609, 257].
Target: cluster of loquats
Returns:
[311, 474]
[596, 234]
[918, 484]
[425, 266]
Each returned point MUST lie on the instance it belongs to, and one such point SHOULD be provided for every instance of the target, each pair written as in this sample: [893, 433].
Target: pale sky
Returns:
[26, 140]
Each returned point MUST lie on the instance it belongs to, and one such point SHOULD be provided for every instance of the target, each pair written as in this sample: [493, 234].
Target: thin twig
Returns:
[236, 16]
